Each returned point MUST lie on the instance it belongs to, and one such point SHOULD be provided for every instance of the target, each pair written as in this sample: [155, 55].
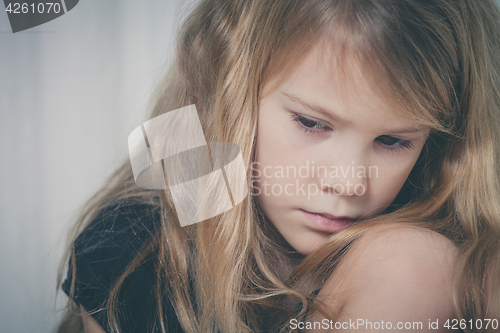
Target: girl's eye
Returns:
[392, 144]
[314, 126]
[310, 125]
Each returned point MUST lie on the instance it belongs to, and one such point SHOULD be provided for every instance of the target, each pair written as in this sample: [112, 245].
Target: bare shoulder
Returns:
[402, 247]
[394, 273]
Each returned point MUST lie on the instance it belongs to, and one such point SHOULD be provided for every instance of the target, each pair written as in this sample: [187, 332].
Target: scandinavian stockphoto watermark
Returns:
[295, 180]
[384, 325]
[208, 179]
[205, 180]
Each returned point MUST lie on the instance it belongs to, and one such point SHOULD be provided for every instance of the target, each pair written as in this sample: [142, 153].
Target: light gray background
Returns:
[71, 91]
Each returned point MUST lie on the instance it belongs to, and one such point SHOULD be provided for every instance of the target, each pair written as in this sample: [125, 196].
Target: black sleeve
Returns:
[103, 251]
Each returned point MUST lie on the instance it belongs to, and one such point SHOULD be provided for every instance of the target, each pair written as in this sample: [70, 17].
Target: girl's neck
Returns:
[288, 261]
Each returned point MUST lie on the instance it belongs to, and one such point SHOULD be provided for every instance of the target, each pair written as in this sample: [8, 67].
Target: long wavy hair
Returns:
[439, 60]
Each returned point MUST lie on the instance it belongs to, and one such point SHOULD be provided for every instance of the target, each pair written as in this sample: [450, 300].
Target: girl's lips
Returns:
[329, 224]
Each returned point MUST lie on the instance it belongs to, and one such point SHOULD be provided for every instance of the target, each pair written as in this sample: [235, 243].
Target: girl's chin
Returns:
[306, 247]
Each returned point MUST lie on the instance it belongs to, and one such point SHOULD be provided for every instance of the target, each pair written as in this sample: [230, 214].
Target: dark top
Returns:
[103, 251]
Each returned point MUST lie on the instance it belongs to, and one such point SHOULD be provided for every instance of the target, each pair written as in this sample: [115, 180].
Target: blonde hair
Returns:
[438, 59]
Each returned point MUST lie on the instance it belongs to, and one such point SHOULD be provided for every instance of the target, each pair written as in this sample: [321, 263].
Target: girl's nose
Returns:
[346, 179]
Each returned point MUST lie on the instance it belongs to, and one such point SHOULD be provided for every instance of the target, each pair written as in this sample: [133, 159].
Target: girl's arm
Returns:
[394, 274]
[90, 325]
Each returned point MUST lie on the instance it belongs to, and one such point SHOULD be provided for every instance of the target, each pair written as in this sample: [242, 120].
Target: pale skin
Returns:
[394, 273]
[316, 119]
[90, 325]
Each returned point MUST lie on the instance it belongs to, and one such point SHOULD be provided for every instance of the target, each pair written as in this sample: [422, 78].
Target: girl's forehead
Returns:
[341, 79]
[324, 69]
[350, 75]
[341, 88]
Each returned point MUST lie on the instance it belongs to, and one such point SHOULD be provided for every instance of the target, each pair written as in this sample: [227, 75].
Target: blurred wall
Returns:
[71, 91]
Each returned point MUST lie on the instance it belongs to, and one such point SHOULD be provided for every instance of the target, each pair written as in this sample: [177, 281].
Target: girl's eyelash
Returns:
[313, 126]
[310, 125]
[397, 145]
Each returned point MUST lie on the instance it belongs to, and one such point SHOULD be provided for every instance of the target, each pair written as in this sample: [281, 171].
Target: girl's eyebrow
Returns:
[334, 117]
[316, 108]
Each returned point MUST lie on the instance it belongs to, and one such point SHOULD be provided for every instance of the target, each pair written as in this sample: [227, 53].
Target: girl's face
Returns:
[329, 153]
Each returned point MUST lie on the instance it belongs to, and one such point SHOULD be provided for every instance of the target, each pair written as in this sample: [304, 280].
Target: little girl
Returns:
[369, 131]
